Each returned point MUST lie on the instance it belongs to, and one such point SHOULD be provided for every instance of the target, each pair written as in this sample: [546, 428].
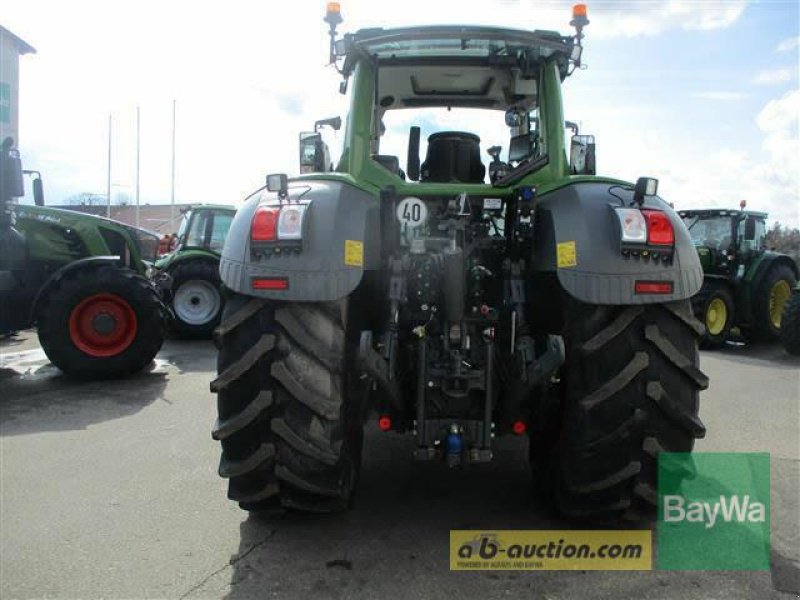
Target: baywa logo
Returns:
[727, 508]
[713, 511]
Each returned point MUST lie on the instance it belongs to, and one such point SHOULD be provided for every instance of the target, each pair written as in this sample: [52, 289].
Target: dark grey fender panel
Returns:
[583, 214]
[339, 216]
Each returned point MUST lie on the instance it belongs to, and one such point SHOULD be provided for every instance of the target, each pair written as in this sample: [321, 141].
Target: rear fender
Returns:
[69, 268]
[341, 239]
[581, 218]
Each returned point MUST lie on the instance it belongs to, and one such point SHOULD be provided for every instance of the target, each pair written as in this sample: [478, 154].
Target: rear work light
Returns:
[652, 287]
[659, 228]
[277, 223]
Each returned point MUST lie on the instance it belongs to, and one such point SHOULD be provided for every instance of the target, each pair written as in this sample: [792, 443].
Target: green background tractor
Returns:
[745, 285]
[80, 279]
[193, 270]
[790, 325]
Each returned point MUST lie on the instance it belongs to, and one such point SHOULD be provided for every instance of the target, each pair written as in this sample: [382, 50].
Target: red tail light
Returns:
[659, 228]
[652, 287]
[264, 227]
[269, 283]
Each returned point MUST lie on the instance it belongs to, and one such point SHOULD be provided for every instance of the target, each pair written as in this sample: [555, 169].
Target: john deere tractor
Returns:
[190, 273]
[745, 285]
[790, 324]
[79, 279]
[456, 307]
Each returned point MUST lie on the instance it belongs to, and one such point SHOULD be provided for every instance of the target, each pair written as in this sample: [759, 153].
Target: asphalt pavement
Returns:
[109, 489]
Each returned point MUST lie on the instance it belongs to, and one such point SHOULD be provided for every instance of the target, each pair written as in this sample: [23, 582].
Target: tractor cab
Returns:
[726, 239]
[204, 227]
[437, 100]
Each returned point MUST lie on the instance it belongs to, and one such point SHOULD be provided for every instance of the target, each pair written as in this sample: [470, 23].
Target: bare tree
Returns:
[86, 199]
[785, 240]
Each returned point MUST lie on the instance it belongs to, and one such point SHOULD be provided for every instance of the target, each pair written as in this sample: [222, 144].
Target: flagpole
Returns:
[137, 165]
[108, 174]
[172, 194]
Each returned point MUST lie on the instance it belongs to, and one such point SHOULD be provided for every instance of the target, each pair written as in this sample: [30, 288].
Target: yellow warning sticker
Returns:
[566, 254]
[354, 253]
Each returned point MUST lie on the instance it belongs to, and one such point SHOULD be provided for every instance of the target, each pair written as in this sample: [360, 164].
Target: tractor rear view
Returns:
[744, 285]
[452, 305]
[79, 279]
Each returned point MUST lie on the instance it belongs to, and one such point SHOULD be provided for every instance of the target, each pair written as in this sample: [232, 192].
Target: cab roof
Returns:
[721, 212]
[480, 67]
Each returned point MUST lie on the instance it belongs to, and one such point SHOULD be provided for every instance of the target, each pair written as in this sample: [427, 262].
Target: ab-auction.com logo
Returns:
[713, 511]
[551, 550]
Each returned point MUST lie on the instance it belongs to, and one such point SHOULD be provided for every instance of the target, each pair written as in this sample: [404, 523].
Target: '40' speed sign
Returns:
[412, 212]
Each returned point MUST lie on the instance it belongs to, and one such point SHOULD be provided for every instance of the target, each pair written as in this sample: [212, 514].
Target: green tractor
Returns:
[190, 273]
[790, 325]
[79, 279]
[744, 285]
[454, 302]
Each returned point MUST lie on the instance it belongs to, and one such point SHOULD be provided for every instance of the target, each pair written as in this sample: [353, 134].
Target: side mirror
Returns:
[311, 153]
[11, 183]
[750, 229]
[334, 123]
[520, 147]
[582, 155]
[38, 192]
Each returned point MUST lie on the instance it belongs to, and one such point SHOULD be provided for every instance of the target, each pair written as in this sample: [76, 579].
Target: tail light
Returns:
[633, 224]
[269, 283]
[278, 223]
[290, 222]
[645, 227]
[264, 227]
[659, 228]
[652, 287]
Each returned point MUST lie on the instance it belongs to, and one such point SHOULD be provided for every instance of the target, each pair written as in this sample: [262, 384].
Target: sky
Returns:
[702, 95]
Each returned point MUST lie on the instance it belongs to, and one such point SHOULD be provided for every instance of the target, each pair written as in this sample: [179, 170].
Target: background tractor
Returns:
[454, 304]
[744, 285]
[790, 325]
[190, 273]
[79, 279]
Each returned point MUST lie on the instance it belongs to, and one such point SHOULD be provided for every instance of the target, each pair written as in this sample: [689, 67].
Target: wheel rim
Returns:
[778, 296]
[102, 325]
[197, 302]
[716, 316]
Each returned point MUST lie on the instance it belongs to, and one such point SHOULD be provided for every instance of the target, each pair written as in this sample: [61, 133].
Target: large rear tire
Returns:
[769, 301]
[714, 308]
[101, 322]
[196, 298]
[631, 383]
[790, 325]
[290, 422]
